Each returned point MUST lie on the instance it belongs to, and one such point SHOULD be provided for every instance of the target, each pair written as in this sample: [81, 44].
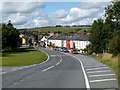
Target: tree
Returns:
[107, 32]
[105, 35]
[96, 36]
[10, 36]
[113, 13]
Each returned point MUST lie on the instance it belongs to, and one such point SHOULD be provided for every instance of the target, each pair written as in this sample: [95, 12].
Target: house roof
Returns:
[80, 38]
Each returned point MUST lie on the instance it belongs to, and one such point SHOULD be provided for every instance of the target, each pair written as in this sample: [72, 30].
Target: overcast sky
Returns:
[39, 14]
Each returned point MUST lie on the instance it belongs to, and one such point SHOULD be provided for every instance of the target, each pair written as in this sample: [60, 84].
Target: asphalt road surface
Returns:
[59, 71]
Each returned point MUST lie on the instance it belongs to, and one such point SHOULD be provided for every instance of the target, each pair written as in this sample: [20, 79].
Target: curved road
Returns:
[60, 71]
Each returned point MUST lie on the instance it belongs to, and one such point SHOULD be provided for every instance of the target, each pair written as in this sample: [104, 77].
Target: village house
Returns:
[23, 39]
[79, 42]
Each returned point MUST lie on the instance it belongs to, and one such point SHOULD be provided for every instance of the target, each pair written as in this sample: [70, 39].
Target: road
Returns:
[61, 71]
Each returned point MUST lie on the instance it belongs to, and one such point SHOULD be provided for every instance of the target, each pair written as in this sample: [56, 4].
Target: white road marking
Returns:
[59, 61]
[16, 82]
[53, 66]
[47, 58]
[101, 75]
[3, 72]
[47, 68]
[102, 80]
[84, 73]
[52, 55]
[99, 71]
[97, 68]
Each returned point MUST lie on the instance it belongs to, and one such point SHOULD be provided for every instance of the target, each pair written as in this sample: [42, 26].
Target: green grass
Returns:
[22, 57]
[113, 64]
[63, 29]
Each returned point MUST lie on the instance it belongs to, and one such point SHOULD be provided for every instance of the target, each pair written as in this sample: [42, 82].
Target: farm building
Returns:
[78, 42]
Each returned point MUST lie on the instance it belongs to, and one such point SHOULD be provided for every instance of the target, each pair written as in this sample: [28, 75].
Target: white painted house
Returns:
[44, 39]
[78, 42]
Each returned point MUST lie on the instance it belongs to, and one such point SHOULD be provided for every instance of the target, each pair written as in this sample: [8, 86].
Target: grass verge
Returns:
[22, 57]
[113, 64]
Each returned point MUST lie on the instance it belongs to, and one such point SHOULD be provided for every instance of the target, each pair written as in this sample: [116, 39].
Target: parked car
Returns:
[58, 49]
[55, 48]
[63, 49]
[74, 51]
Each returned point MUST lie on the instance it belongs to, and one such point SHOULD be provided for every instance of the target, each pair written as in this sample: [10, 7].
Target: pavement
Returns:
[99, 75]
[61, 70]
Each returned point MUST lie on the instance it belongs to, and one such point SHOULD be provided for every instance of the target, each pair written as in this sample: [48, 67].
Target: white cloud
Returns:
[59, 14]
[18, 19]
[39, 15]
[21, 7]
[76, 14]
[87, 21]
[39, 23]
[32, 14]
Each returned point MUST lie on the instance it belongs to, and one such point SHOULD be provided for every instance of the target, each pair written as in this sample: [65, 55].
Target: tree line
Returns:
[105, 34]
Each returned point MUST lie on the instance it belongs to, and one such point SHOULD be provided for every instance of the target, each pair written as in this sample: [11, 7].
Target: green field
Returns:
[62, 29]
[22, 57]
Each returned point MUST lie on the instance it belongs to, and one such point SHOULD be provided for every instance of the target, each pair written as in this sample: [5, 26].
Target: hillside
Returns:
[62, 29]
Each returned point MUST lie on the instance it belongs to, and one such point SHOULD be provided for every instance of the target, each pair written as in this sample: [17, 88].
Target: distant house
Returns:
[78, 42]
[23, 40]
[43, 41]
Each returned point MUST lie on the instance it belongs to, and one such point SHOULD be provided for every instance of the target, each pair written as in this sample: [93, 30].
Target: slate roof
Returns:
[80, 38]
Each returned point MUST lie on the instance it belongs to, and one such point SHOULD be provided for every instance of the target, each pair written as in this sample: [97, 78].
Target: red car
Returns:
[74, 51]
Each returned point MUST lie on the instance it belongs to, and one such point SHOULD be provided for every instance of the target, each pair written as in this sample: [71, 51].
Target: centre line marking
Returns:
[99, 71]
[101, 75]
[97, 68]
[103, 80]
[47, 68]
[59, 61]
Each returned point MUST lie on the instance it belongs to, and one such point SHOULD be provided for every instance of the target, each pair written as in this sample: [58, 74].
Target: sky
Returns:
[40, 14]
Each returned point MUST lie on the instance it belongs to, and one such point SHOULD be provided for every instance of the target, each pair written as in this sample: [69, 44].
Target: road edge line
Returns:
[87, 84]
[84, 73]
[45, 60]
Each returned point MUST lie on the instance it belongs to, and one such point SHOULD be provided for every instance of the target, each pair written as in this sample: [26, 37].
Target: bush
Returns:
[114, 45]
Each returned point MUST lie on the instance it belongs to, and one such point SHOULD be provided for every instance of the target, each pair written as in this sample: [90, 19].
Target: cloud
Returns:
[21, 7]
[59, 14]
[40, 23]
[18, 19]
[75, 14]
[33, 14]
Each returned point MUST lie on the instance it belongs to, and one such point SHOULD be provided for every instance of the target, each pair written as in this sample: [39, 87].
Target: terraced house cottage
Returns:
[78, 42]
